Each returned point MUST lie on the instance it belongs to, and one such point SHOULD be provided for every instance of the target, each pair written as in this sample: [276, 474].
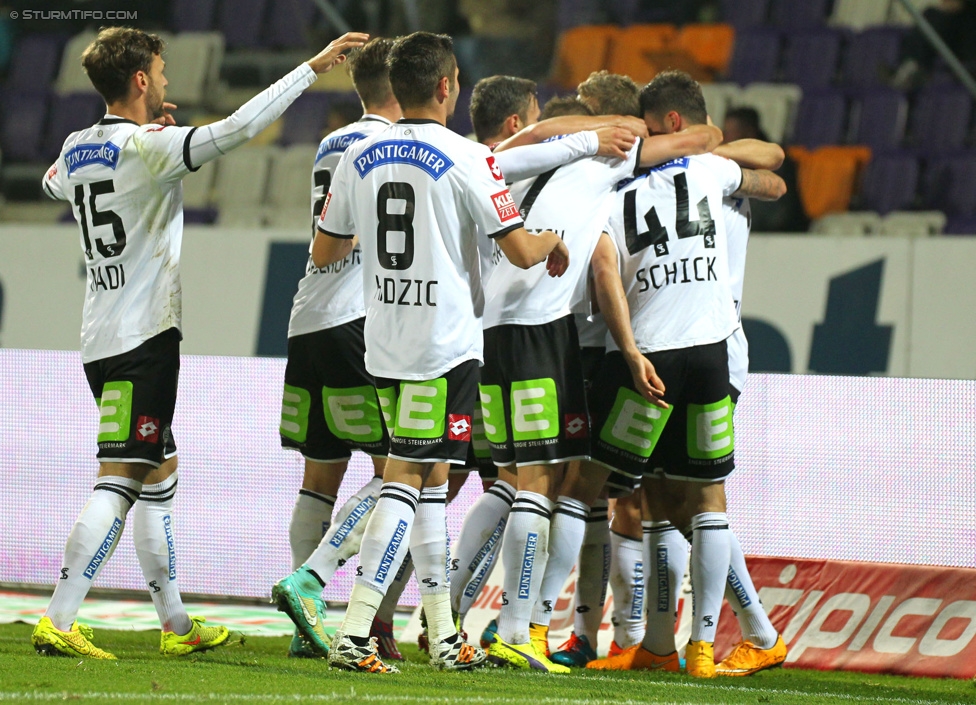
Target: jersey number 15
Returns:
[111, 249]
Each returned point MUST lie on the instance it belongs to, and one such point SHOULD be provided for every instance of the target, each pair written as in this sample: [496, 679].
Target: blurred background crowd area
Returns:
[878, 129]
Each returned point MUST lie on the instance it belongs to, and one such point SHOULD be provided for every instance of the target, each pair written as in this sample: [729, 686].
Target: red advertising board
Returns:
[874, 617]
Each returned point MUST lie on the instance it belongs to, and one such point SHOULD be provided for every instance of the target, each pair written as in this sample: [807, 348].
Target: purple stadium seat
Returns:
[194, 15]
[70, 113]
[289, 23]
[821, 119]
[949, 184]
[799, 14]
[743, 14]
[869, 55]
[939, 120]
[890, 182]
[199, 216]
[961, 225]
[35, 62]
[241, 22]
[756, 56]
[811, 57]
[306, 118]
[22, 120]
[879, 119]
[461, 122]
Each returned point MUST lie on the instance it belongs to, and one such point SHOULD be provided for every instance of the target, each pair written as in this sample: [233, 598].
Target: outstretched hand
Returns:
[332, 55]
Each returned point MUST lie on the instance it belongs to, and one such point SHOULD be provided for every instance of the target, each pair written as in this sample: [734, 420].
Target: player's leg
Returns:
[631, 430]
[420, 452]
[761, 646]
[329, 409]
[593, 575]
[666, 558]
[709, 460]
[382, 629]
[480, 539]
[627, 572]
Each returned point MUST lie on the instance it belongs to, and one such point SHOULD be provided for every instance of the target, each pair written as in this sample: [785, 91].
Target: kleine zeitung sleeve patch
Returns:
[505, 205]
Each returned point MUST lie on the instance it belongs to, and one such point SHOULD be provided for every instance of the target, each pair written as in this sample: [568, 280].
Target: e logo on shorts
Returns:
[492, 413]
[388, 401]
[710, 432]
[295, 403]
[115, 412]
[479, 441]
[353, 413]
[421, 409]
[634, 424]
[535, 410]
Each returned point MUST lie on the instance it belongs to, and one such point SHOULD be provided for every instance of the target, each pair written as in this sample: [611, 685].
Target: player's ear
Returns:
[443, 91]
[514, 123]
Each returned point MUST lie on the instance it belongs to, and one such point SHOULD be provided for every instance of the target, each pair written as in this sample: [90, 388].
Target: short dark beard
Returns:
[154, 102]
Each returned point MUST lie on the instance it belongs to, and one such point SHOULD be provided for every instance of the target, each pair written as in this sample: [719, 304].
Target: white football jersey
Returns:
[592, 330]
[333, 295]
[738, 222]
[124, 182]
[670, 234]
[573, 201]
[417, 194]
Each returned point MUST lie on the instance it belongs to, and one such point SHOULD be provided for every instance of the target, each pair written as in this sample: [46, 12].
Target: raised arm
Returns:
[697, 139]
[531, 160]
[209, 142]
[612, 301]
[761, 184]
[752, 153]
[524, 250]
[568, 124]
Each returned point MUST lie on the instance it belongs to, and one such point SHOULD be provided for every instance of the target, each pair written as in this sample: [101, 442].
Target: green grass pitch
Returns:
[255, 669]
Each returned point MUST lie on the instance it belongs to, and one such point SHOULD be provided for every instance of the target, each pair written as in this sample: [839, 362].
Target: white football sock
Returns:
[310, 520]
[710, 555]
[665, 560]
[627, 583]
[524, 554]
[385, 544]
[478, 544]
[428, 548]
[344, 537]
[392, 598]
[90, 544]
[566, 531]
[594, 573]
[744, 600]
[152, 534]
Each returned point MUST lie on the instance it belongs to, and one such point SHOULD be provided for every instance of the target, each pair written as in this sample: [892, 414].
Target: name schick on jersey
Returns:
[684, 270]
[394, 224]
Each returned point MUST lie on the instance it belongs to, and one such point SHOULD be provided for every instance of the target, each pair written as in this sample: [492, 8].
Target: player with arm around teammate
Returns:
[675, 273]
[123, 176]
[329, 407]
[416, 196]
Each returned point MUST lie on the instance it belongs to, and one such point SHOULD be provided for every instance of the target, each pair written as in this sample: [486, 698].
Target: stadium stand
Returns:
[818, 72]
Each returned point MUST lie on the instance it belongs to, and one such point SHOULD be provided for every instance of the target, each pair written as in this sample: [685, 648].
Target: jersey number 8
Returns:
[400, 222]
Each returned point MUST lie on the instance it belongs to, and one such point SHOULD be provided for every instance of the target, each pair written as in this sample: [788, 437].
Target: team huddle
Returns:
[554, 306]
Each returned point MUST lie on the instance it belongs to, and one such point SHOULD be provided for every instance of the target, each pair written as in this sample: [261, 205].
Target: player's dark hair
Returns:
[115, 56]
[417, 64]
[608, 93]
[749, 119]
[559, 107]
[495, 99]
[674, 91]
[370, 72]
